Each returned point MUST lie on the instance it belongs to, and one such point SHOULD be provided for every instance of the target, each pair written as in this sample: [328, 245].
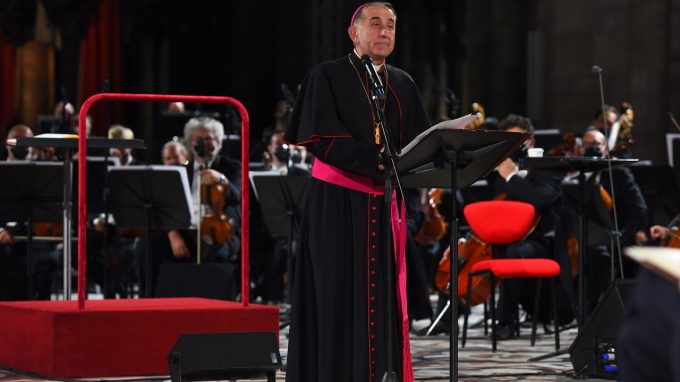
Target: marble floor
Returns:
[476, 361]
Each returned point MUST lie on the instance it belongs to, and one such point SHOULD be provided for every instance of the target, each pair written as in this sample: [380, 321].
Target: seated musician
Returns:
[631, 212]
[13, 277]
[203, 136]
[542, 189]
[174, 153]
[123, 154]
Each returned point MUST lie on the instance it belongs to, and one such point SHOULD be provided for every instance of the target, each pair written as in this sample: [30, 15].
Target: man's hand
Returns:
[658, 232]
[179, 247]
[506, 168]
[6, 237]
[210, 177]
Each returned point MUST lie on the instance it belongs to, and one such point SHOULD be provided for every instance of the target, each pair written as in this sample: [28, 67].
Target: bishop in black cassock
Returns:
[338, 328]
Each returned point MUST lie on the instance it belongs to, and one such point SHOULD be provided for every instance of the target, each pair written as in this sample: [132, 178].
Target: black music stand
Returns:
[582, 165]
[150, 197]
[282, 200]
[98, 195]
[69, 143]
[454, 158]
[32, 193]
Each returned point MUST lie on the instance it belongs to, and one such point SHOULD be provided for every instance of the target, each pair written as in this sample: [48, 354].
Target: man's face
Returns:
[374, 33]
[174, 156]
[593, 144]
[204, 144]
[529, 143]
[611, 119]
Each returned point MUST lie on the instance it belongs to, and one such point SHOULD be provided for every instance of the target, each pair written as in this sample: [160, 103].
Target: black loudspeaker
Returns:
[220, 356]
[214, 281]
[593, 352]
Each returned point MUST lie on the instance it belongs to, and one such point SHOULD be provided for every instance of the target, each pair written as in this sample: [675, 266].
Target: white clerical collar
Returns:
[375, 67]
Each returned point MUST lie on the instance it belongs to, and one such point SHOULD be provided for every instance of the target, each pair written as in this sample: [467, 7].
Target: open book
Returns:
[451, 124]
[662, 260]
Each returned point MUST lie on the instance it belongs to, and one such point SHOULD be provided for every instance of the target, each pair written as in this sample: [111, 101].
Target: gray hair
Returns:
[359, 13]
[178, 145]
[207, 123]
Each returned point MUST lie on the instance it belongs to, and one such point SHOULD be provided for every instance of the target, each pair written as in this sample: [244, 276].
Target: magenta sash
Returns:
[331, 174]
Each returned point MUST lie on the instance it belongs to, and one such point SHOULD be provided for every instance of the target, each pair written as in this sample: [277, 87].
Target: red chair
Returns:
[501, 222]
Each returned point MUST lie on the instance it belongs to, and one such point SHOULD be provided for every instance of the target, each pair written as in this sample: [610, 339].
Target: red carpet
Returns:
[114, 337]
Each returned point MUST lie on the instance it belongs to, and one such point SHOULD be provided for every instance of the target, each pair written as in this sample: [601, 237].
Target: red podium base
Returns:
[113, 338]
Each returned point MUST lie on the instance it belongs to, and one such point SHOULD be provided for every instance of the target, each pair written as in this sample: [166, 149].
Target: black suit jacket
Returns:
[230, 168]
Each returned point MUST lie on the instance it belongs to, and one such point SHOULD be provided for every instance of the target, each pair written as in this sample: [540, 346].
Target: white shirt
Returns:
[196, 190]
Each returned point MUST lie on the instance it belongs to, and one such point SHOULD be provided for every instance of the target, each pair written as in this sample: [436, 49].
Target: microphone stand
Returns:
[616, 234]
[390, 169]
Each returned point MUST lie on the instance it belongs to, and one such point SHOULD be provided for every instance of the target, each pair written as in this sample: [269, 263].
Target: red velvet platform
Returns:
[113, 338]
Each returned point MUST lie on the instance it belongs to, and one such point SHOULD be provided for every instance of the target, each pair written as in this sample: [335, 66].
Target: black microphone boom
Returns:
[376, 84]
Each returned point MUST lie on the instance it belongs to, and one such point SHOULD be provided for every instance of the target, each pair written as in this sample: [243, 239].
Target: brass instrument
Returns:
[481, 115]
[624, 139]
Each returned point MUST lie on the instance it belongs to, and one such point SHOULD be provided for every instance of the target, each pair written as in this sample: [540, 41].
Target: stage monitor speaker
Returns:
[593, 350]
[219, 356]
[215, 281]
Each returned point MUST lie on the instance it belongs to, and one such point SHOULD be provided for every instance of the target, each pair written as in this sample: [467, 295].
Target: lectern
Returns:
[447, 156]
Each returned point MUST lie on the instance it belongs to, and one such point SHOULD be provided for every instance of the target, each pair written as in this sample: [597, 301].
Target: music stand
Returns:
[33, 193]
[582, 165]
[69, 143]
[282, 200]
[454, 158]
[98, 194]
[150, 197]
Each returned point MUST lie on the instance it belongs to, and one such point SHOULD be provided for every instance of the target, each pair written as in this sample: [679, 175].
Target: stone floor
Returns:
[476, 361]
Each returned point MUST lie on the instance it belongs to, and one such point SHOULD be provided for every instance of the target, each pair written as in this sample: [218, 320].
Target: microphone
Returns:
[376, 84]
[596, 69]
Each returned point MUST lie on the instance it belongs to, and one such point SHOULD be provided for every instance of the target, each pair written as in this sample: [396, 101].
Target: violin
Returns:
[434, 226]
[215, 226]
[568, 146]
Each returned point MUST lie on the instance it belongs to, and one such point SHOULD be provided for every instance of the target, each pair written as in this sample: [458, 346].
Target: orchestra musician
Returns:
[543, 190]
[203, 135]
[631, 211]
[13, 277]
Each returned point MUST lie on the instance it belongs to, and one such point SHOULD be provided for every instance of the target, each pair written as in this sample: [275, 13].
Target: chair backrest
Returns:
[500, 221]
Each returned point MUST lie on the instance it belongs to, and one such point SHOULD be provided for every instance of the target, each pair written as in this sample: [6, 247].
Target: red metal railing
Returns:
[82, 163]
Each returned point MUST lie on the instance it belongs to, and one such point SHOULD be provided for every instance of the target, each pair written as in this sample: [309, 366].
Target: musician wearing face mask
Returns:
[631, 211]
[13, 251]
[203, 136]
[543, 190]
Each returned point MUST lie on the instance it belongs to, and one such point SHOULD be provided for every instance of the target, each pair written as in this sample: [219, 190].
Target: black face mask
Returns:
[593, 151]
[19, 152]
[203, 148]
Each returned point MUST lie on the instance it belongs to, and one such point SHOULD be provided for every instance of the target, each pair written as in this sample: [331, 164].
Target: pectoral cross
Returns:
[376, 132]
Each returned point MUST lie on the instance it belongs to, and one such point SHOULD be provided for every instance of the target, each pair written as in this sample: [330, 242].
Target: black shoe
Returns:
[505, 332]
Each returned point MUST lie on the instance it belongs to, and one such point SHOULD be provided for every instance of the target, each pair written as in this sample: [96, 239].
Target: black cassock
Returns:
[338, 329]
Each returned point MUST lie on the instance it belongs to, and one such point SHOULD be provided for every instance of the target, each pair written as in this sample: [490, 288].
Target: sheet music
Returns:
[451, 124]
[181, 170]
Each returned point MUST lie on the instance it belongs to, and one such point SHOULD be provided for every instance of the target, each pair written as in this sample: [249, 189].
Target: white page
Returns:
[451, 124]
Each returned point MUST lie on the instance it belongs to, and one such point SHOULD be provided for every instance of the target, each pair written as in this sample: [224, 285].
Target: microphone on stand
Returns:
[376, 83]
[616, 242]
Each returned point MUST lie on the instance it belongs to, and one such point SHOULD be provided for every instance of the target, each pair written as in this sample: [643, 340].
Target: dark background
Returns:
[529, 57]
